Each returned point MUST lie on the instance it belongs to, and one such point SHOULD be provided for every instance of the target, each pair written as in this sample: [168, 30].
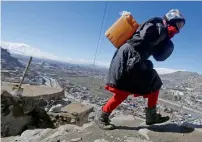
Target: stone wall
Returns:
[22, 113]
[34, 95]
[43, 100]
[18, 115]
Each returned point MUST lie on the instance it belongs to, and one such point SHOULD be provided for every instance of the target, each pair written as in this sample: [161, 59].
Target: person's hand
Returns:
[147, 65]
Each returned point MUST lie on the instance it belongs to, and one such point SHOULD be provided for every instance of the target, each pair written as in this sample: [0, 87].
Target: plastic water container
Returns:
[122, 29]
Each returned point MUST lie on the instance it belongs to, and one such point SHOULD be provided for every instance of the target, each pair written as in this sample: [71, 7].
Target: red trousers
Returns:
[119, 96]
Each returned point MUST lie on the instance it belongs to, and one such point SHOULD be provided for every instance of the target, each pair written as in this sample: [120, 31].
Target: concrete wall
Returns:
[36, 95]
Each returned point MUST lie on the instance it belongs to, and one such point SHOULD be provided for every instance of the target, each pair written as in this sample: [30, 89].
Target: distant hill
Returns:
[8, 62]
[89, 67]
[18, 49]
[183, 79]
[171, 78]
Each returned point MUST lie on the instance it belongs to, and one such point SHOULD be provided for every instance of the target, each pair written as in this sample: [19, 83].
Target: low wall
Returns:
[36, 95]
[42, 100]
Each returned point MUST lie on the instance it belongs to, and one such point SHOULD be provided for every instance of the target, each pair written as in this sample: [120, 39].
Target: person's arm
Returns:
[153, 33]
[164, 51]
[130, 58]
[134, 62]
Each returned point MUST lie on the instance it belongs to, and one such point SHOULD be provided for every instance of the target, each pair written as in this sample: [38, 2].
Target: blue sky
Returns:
[71, 29]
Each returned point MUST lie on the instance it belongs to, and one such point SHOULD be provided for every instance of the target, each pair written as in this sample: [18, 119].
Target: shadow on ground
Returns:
[172, 128]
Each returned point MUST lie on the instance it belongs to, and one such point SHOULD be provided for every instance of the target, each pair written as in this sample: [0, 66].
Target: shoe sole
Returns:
[156, 122]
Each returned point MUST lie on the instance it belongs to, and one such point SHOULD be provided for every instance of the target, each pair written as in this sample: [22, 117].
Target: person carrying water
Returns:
[131, 72]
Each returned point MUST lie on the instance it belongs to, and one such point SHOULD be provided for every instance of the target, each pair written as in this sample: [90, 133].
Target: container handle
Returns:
[122, 13]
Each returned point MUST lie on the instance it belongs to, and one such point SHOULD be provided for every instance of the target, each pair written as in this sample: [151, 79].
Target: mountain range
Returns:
[183, 79]
[19, 49]
[8, 62]
[171, 78]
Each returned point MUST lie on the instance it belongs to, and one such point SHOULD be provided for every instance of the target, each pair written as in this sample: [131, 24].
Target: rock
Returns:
[89, 133]
[15, 119]
[132, 139]
[35, 135]
[46, 109]
[144, 132]
[56, 108]
[73, 121]
[101, 140]
[56, 133]
[61, 118]
[63, 102]
[79, 111]
[12, 126]
[127, 133]
[49, 135]
[91, 116]
[7, 102]
[76, 140]
[42, 119]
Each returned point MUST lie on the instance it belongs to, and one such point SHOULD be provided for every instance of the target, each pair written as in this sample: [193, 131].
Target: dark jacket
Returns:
[130, 70]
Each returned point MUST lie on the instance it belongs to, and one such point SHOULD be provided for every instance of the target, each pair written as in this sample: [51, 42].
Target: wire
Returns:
[99, 39]
[104, 25]
[100, 34]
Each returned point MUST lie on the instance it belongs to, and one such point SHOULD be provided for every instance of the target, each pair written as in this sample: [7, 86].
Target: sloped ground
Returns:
[128, 129]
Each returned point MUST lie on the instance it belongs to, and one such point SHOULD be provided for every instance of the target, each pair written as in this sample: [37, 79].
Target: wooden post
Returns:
[26, 69]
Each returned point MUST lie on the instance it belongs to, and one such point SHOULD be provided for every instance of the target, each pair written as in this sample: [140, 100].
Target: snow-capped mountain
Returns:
[166, 71]
[27, 50]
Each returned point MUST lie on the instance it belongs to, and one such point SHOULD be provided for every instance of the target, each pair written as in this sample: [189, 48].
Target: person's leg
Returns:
[112, 103]
[151, 113]
[152, 99]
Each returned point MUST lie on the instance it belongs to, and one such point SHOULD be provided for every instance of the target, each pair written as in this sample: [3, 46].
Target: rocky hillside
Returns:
[32, 125]
[129, 129]
[183, 80]
[8, 62]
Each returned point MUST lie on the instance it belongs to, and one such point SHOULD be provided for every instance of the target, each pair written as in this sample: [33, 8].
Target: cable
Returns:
[99, 39]
[100, 34]
[104, 25]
